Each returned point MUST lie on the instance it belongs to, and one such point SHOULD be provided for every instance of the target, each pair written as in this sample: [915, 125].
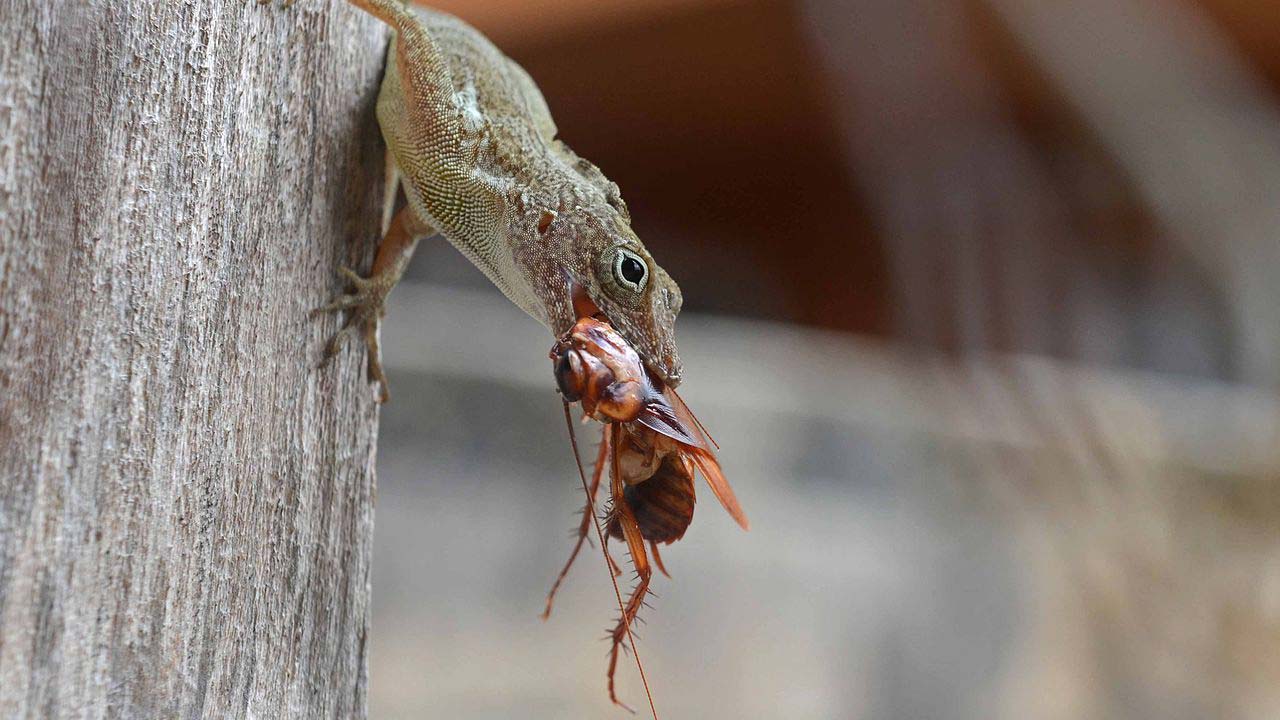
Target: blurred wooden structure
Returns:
[186, 501]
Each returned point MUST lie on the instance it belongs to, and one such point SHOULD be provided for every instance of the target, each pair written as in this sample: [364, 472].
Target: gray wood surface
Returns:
[186, 501]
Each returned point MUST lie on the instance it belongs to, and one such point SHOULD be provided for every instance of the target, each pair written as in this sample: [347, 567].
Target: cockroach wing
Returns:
[659, 416]
[686, 416]
[666, 413]
[720, 486]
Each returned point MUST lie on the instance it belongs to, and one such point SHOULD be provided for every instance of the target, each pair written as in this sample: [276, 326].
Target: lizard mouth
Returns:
[585, 307]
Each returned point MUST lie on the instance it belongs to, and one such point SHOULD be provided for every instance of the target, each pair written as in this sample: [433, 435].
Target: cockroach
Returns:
[651, 444]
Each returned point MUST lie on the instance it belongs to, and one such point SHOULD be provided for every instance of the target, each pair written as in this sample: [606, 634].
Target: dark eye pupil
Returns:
[565, 379]
[632, 270]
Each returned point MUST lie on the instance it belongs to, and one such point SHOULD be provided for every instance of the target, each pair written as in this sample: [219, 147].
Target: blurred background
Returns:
[980, 302]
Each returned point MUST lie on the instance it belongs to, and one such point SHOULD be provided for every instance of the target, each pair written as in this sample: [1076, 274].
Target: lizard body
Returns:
[472, 140]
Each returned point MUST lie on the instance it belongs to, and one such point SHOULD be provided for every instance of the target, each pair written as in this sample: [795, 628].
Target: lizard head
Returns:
[609, 271]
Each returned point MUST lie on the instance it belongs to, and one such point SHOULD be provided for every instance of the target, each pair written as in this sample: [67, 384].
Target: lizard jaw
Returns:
[584, 307]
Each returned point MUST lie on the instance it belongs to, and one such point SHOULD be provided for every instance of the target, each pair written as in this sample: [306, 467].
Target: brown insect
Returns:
[651, 443]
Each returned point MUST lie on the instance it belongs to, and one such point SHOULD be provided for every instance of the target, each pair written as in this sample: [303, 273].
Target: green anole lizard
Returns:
[469, 135]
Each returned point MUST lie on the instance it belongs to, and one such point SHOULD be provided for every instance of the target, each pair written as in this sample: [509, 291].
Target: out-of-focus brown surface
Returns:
[724, 142]
[1253, 28]
[726, 149]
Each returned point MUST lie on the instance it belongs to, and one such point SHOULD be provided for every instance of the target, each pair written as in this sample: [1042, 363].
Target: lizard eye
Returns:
[630, 270]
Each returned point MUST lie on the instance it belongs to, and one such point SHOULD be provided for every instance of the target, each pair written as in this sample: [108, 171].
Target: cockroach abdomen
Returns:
[663, 504]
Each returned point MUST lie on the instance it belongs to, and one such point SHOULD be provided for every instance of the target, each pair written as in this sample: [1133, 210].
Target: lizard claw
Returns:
[367, 303]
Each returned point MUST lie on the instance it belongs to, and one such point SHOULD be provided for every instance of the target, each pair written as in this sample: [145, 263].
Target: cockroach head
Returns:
[570, 371]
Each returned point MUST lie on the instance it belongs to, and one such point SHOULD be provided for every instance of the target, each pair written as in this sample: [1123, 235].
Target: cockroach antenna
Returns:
[577, 459]
[581, 532]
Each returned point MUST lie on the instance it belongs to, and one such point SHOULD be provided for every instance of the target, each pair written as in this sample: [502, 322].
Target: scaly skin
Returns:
[474, 145]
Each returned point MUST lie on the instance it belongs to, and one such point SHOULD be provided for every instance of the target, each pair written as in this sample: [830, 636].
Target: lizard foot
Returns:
[367, 303]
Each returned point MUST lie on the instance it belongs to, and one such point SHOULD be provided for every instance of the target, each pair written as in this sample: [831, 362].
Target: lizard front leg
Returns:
[367, 301]
[428, 152]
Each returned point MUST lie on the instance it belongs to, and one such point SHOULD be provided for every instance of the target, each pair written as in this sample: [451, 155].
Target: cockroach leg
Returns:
[634, 603]
[657, 559]
[632, 534]
[585, 525]
[635, 546]
[613, 564]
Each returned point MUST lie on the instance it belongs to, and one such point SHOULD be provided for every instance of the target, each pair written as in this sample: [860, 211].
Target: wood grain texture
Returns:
[186, 501]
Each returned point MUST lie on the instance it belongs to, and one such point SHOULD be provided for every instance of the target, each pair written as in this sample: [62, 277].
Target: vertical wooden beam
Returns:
[185, 499]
